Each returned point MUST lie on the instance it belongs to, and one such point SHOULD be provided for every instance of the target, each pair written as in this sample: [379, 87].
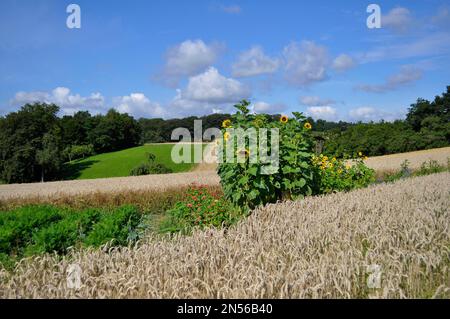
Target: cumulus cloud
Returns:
[207, 91]
[231, 9]
[254, 62]
[305, 63]
[62, 97]
[407, 75]
[368, 114]
[398, 19]
[138, 105]
[343, 62]
[315, 101]
[264, 107]
[188, 58]
[322, 112]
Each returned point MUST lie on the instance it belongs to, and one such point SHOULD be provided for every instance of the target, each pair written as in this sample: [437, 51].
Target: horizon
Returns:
[177, 59]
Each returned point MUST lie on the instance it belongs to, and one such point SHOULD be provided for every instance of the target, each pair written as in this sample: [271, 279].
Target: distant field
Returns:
[390, 163]
[119, 164]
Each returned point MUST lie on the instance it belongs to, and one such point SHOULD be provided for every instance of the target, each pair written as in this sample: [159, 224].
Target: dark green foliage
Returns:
[150, 167]
[30, 141]
[427, 126]
[63, 234]
[159, 130]
[18, 227]
[35, 230]
[115, 226]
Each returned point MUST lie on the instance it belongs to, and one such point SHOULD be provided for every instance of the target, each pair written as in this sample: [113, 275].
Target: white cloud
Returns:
[343, 62]
[305, 63]
[315, 101]
[407, 75]
[232, 9]
[62, 97]
[322, 112]
[368, 113]
[188, 58]
[138, 105]
[254, 62]
[430, 45]
[211, 86]
[398, 19]
[209, 91]
[263, 107]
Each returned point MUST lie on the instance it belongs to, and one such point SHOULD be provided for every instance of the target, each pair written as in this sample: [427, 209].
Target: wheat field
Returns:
[204, 173]
[320, 247]
[390, 163]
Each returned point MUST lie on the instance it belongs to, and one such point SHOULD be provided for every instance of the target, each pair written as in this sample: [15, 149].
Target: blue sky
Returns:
[177, 58]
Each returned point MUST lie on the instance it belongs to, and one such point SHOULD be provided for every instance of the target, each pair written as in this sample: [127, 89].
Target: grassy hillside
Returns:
[119, 164]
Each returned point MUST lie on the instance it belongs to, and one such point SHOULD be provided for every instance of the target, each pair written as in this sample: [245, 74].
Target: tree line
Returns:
[36, 144]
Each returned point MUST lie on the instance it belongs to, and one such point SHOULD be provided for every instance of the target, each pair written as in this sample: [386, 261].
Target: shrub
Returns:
[35, 230]
[340, 175]
[150, 167]
[116, 225]
[61, 235]
[18, 226]
[200, 208]
[245, 184]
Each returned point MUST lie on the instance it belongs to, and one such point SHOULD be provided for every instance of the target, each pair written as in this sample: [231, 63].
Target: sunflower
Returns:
[360, 153]
[307, 126]
[284, 119]
[243, 152]
[226, 124]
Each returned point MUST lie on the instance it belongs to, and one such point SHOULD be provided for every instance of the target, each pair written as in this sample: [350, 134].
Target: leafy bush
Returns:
[18, 227]
[63, 234]
[35, 230]
[116, 226]
[340, 175]
[244, 184]
[150, 167]
[200, 208]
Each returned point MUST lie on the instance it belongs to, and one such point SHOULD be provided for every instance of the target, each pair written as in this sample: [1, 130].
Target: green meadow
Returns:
[120, 163]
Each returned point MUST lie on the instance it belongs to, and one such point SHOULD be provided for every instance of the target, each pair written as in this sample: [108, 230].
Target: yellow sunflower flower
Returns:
[226, 124]
[284, 119]
[307, 126]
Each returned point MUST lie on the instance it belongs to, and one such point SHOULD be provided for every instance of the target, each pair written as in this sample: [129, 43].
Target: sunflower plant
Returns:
[246, 182]
[341, 175]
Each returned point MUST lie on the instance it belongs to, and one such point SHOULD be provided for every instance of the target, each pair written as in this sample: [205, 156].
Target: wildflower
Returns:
[284, 119]
[360, 153]
[189, 205]
[226, 136]
[307, 126]
[226, 124]
[325, 158]
[333, 159]
[339, 171]
[365, 158]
